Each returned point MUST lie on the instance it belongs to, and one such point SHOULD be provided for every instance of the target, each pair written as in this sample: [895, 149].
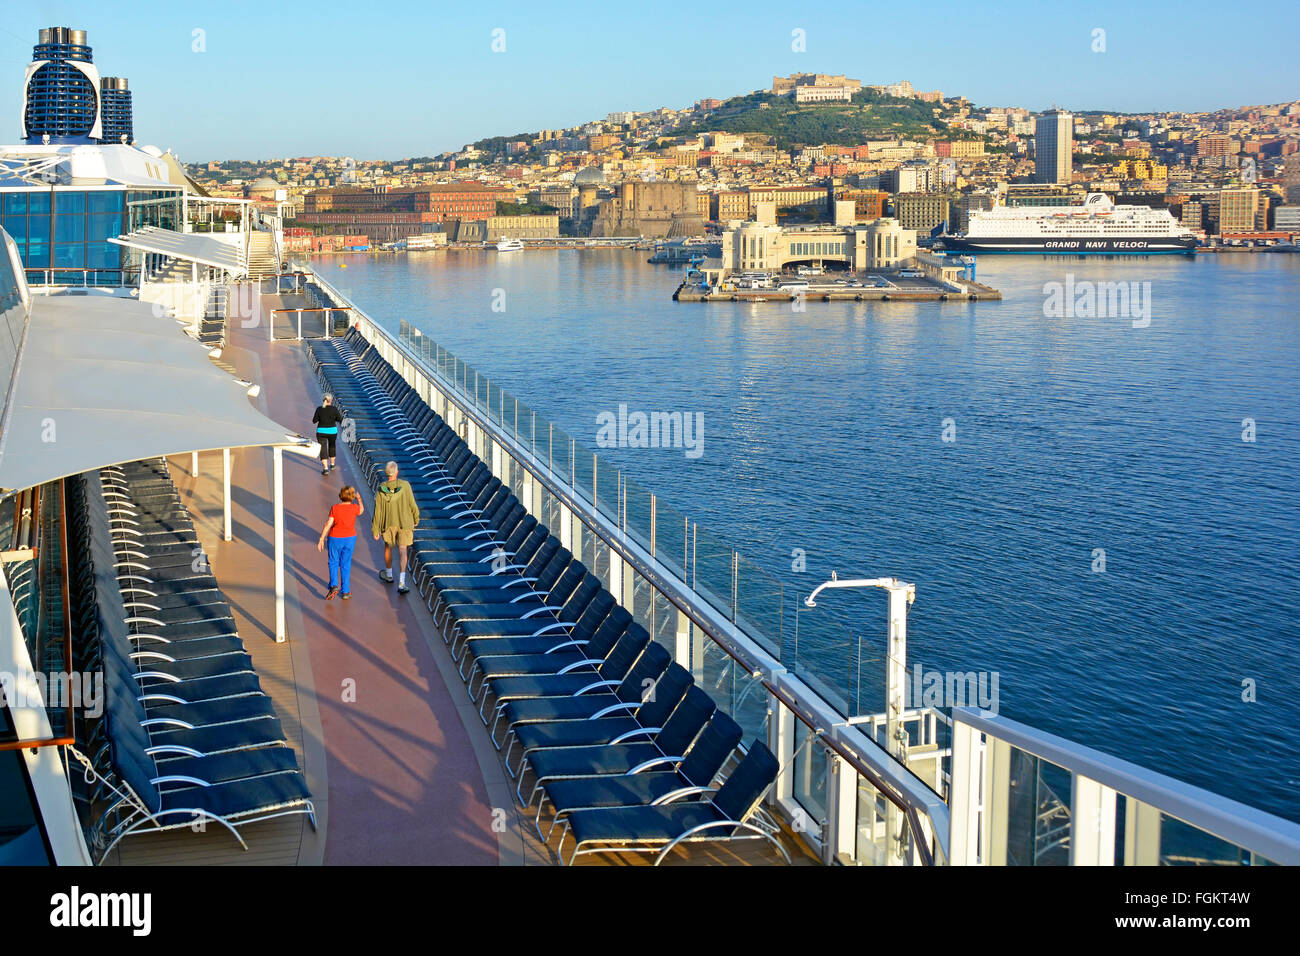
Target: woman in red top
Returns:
[341, 529]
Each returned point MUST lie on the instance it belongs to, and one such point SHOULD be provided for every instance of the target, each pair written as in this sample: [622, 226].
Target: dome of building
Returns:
[589, 174]
[262, 188]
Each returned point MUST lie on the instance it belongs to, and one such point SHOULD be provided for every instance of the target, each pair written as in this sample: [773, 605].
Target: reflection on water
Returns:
[1074, 438]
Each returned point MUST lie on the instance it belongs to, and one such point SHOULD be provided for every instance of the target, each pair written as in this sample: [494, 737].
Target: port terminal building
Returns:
[764, 246]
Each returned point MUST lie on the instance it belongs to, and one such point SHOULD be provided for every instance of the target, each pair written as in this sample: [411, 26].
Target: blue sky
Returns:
[398, 78]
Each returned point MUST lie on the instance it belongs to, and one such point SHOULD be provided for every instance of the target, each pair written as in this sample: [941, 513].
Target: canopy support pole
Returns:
[225, 467]
[194, 464]
[277, 455]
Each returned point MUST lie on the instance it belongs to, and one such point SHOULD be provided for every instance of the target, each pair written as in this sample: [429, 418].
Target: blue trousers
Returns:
[340, 555]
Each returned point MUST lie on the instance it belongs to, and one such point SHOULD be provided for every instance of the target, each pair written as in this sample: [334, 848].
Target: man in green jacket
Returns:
[395, 516]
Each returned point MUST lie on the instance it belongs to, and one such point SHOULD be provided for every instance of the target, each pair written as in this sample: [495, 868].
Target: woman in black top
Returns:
[327, 420]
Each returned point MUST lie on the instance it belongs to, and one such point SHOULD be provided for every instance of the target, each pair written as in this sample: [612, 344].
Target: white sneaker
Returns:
[386, 576]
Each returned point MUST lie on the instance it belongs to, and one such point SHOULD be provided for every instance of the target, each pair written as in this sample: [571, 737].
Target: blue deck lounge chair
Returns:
[729, 814]
[624, 698]
[641, 723]
[654, 709]
[667, 748]
[688, 780]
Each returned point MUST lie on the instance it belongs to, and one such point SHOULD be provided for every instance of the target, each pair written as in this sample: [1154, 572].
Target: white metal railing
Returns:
[1164, 820]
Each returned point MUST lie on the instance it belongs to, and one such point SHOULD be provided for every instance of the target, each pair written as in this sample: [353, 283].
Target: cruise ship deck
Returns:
[579, 672]
[402, 773]
[398, 763]
[393, 762]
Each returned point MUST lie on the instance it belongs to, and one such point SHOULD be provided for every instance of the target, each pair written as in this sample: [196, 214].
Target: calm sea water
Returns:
[823, 431]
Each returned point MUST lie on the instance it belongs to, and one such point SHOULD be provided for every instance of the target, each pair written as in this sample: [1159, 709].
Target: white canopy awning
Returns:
[192, 247]
[102, 380]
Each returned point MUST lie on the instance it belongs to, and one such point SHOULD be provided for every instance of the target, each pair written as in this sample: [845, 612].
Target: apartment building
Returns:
[922, 212]
[1237, 209]
[1053, 147]
[729, 205]
[1214, 144]
[1291, 178]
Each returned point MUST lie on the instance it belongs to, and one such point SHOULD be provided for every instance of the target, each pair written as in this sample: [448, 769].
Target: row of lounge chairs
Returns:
[187, 735]
[616, 739]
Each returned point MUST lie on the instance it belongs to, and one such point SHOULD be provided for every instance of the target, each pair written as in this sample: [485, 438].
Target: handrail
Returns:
[69, 723]
[891, 779]
[1271, 836]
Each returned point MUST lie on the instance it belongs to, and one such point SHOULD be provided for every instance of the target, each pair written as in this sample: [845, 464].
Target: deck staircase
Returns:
[212, 329]
[262, 260]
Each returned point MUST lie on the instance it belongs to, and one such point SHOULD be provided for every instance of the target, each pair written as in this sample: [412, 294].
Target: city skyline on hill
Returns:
[213, 81]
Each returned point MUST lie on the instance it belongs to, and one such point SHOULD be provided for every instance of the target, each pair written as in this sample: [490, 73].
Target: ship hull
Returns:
[1038, 245]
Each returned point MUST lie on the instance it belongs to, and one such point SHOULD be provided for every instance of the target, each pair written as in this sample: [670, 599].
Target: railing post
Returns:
[831, 826]
[1092, 823]
[973, 808]
[653, 514]
[735, 584]
[616, 576]
[1141, 833]
[690, 646]
[566, 527]
[781, 743]
[691, 550]
[277, 470]
[225, 471]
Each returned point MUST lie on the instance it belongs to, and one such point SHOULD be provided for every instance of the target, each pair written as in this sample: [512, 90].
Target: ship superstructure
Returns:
[1098, 226]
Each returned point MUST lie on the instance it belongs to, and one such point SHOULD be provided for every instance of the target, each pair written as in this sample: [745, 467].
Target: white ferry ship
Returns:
[508, 245]
[1098, 227]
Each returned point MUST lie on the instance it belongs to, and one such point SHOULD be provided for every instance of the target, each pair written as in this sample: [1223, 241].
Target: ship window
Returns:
[104, 202]
[99, 227]
[102, 255]
[69, 228]
[70, 255]
[70, 203]
[38, 251]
